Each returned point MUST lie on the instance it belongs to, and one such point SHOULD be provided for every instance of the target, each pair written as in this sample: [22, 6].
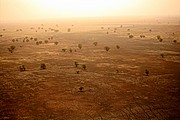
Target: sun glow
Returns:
[81, 8]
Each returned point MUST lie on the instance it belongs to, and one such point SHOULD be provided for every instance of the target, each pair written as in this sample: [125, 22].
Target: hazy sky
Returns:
[40, 9]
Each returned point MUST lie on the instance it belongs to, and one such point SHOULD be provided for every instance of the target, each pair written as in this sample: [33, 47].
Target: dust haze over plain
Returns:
[24, 10]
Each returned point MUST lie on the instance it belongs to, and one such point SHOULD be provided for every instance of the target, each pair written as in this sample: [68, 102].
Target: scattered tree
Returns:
[162, 55]
[43, 66]
[160, 40]
[84, 67]
[46, 41]
[77, 72]
[175, 41]
[40, 42]
[80, 46]
[107, 48]
[64, 50]
[35, 39]
[37, 43]
[142, 36]
[117, 46]
[95, 43]
[76, 64]
[22, 68]
[13, 40]
[69, 29]
[146, 72]
[81, 89]
[11, 48]
[55, 43]
[131, 36]
[70, 50]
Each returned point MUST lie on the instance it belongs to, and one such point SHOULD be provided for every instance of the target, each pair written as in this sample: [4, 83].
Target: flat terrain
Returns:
[114, 83]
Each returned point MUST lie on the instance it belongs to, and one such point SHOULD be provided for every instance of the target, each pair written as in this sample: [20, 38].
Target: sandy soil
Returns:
[115, 86]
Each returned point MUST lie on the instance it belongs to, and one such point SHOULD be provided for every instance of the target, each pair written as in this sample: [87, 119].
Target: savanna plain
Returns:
[88, 71]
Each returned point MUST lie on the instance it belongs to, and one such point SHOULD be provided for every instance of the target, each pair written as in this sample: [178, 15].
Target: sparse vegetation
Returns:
[84, 67]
